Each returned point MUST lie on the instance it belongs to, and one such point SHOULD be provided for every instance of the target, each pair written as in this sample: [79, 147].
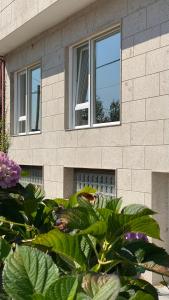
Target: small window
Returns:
[102, 181]
[95, 85]
[28, 100]
[33, 174]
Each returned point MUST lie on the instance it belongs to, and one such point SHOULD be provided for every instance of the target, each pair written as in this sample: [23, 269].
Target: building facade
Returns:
[87, 95]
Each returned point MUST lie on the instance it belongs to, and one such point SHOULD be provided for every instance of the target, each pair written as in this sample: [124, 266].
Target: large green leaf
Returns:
[28, 271]
[78, 217]
[110, 290]
[138, 209]
[4, 249]
[140, 295]
[63, 289]
[63, 244]
[99, 287]
[146, 225]
[98, 229]
[118, 224]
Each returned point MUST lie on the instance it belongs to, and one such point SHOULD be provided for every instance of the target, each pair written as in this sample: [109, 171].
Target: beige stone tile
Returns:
[147, 40]
[157, 158]
[124, 179]
[157, 60]
[111, 158]
[53, 173]
[106, 136]
[166, 131]
[146, 87]
[127, 48]
[133, 111]
[131, 197]
[127, 90]
[157, 108]
[133, 67]
[141, 181]
[157, 13]
[164, 79]
[147, 133]
[134, 23]
[133, 157]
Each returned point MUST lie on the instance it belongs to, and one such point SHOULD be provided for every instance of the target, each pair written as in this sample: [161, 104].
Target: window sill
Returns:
[26, 134]
[101, 125]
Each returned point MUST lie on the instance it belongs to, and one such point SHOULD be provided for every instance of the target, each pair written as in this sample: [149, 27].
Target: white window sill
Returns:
[101, 125]
[27, 133]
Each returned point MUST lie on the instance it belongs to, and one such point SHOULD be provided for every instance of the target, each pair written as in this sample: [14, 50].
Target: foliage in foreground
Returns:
[76, 249]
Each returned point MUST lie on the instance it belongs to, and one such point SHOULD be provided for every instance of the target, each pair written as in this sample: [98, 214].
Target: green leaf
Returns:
[78, 217]
[114, 205]
[118, 224]
[146, 286]
[4, 249]
[38, 297]
[98, 229]
[73, 201]
[28, 271]
[63, 244]
[63, 289]
[146, 225]
[110, 290]
[140, 295]
[82, 296]
[105, 213]
[138, 209]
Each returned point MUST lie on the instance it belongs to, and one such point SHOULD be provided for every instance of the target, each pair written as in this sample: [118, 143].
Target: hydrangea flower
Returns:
[135, 236]
[10, 171]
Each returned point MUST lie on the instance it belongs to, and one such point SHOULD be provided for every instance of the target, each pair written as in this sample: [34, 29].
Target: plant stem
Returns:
[15, 223]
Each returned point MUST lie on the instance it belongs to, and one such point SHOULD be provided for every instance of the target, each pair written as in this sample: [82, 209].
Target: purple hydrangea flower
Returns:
[10, 171]
[135, 236]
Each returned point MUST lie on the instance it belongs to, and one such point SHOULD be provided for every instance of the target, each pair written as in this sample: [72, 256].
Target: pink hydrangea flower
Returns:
[10, 171]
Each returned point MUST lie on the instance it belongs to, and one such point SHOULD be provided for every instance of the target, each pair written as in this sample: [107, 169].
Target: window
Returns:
[102, 181]
[28, 100]
[95, 81]
[32, 174]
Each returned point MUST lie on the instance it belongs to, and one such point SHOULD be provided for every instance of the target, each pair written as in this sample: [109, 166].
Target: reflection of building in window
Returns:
[27, 100]
[95, 86]
[32, 174]
[102, 181]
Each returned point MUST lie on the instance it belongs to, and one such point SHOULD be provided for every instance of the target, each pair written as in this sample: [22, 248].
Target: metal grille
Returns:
[102, 181]
[33, 174]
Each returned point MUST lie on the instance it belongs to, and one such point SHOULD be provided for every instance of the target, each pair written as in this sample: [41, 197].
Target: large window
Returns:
[95, 81]
[27, 100]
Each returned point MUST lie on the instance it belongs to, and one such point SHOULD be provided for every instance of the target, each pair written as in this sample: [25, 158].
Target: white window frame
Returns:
[73, 107]
[25, 118]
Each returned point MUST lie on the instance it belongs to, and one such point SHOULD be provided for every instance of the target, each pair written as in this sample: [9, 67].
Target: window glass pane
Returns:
[82, 74]
[107, 49]
[34, 104]
[81, 117]
[22, 94]
[107, 85]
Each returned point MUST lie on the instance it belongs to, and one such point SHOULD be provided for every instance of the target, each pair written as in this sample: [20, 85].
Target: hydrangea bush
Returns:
[87, 247]
[10, 171]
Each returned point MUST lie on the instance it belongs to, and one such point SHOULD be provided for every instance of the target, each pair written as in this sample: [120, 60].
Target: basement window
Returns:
[32, 174]
[27, 101]
[102, 181]
[94, 79]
